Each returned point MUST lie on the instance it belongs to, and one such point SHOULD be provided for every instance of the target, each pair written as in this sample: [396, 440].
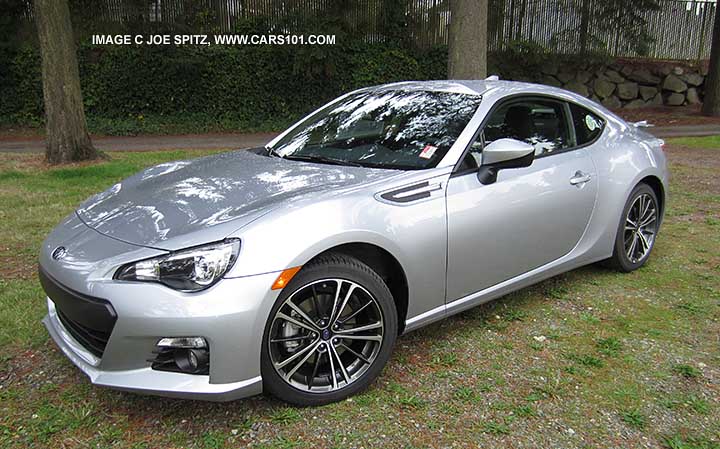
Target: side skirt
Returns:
[475, 299]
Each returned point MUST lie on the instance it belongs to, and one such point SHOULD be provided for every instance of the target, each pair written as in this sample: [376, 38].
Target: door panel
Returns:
[529, 217]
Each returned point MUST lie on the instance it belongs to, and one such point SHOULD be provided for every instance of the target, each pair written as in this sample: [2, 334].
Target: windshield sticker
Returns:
[428, 152]
[591, 123]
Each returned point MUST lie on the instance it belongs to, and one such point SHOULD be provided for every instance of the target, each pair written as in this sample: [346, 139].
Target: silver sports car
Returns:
[293, 268]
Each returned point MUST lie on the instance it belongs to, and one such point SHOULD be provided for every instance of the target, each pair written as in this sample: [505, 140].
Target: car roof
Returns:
[500, 88]
[476, 87]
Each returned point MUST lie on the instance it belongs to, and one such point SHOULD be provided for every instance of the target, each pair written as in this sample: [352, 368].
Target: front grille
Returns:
[94, 341]
[89, 320]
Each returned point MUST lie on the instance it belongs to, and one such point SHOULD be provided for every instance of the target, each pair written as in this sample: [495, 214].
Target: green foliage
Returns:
[131, 89]
[527, 60]
[495, 428]
[384, 65]
[709, 142]
[687, 371]
[20, 85]
[285, 416]
[679, 442]
[634, 418]
[610, 346]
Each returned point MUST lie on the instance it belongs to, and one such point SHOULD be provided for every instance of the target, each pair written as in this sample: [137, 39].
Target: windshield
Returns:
[387, 129]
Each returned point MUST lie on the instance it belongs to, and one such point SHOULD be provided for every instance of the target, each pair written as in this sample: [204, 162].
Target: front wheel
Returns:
[330, 333]
[637, 230]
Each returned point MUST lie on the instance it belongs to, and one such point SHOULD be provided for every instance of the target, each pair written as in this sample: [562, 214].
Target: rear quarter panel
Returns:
[623, 158]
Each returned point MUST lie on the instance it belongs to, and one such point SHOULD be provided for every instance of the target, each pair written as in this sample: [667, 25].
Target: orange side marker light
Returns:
[285, 277]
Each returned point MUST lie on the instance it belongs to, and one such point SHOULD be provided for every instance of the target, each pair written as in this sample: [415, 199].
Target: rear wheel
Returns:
[637, 230]
[330, 333]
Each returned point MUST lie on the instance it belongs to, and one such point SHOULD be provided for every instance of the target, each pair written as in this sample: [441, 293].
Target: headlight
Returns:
[188, 270]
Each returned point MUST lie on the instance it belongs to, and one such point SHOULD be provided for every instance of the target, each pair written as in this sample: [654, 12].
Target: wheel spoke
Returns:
[354, 330]
[332, 371]
[342, 367]
[344, 303]
[355, 353]
[315, 300]
[286, 339]
[629, 238]
[292, 320]
[645, 207]
[648, 220]
[301, 362]
[335, 303]
[362, 337]
[631, 250]
[644, 242]
[315, 369]
[304, 316]
[298, 354]
[354, 314]
[633, 224]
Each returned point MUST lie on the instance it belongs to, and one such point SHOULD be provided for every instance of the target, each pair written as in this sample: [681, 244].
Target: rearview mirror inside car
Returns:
[502, 154]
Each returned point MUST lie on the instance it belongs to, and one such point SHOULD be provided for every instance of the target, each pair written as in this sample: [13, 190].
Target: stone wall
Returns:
[631, 84]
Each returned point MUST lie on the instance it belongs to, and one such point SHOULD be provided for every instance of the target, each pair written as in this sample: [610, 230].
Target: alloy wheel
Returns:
[640, 228]
[325, 335]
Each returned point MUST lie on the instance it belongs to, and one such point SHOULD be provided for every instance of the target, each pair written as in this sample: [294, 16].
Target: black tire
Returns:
[620, 260]
[332, 266]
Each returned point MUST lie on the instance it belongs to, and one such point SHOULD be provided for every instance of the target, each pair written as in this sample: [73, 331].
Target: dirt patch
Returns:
[11, 133]
[693, 157]
[707, 161]
[13, 161]
[17, 267]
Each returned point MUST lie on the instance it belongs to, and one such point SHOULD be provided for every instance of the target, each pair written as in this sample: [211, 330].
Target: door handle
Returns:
[580, 178]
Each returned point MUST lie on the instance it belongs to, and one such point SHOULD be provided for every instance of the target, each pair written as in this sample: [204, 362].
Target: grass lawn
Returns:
[591, 358]
[697, 142]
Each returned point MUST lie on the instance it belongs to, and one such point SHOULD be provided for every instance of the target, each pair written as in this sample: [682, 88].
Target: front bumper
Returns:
[231, 316]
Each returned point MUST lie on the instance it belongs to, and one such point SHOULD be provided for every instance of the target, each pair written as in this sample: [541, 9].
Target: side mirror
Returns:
[502, 154]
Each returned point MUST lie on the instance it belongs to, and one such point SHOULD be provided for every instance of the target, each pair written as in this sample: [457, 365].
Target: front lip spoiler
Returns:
[146, 380]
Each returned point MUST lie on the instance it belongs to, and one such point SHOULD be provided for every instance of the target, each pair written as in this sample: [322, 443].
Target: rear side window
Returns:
[588, 126]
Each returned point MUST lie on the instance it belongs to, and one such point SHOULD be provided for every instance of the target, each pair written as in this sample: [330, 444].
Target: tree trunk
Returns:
[711, 106]
[467, 44]
[584, 26]
[67, 135]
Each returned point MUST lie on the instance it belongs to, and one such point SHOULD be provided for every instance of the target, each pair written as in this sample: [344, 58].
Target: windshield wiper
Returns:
[322, 160]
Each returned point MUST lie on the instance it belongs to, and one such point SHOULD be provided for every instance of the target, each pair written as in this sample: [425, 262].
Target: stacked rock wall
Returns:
[630, 84]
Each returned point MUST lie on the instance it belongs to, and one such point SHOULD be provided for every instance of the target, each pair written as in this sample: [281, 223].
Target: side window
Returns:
[541, 123]
[588, 126]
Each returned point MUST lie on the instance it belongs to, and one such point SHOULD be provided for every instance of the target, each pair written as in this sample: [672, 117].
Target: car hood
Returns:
[185, 203]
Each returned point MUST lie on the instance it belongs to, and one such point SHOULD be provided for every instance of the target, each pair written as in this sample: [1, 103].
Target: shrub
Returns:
[243, 87]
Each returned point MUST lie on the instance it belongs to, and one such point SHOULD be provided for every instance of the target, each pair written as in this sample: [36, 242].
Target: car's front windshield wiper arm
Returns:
[322, 159]
[271, 152]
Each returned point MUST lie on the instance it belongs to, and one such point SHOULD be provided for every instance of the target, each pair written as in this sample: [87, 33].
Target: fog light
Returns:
[192, 360]
[190, 355]
[182, 342]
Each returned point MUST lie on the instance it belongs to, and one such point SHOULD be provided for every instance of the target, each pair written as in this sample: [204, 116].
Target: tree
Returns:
[608, 25]
[467, 43]
[711, 106]
[67, 135]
